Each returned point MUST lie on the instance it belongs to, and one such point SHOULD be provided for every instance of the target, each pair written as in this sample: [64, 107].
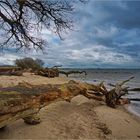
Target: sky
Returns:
[106, 34]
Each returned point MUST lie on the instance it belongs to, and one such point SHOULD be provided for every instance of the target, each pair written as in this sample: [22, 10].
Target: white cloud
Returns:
[8, 59]
[96, 39]
[93, 54]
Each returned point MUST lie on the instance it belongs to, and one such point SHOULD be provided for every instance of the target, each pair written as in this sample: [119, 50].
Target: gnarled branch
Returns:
[22, 20]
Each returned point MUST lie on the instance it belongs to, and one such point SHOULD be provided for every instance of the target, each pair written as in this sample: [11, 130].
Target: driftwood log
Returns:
[25, 100]
[54, 72]
[72, 72]
[16, 71]
[48, 72]
[12, 73]
[7, 68]
[113, 96]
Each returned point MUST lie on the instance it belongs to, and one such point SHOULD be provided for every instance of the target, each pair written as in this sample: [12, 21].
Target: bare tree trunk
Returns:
[25, 100]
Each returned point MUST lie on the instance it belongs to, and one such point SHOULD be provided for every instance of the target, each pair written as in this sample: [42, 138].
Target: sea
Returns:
[113, 76]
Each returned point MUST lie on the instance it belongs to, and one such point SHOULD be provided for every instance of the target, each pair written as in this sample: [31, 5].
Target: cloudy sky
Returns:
[106, 34]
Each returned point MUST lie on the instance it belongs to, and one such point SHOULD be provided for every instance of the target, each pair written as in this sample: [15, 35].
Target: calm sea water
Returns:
[113, 76]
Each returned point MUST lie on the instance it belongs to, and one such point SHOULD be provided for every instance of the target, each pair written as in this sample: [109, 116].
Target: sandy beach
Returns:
[80, 119]
[6, 81]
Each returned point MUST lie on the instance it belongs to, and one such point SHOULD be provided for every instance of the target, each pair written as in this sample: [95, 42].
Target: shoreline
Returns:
[80, 119]
[95, 80]
[130, 111]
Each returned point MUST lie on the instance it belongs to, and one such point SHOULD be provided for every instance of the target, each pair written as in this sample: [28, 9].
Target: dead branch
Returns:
[134, 99]
[57, 66]
[93, 96]
[16, 71]
[72, 72]
[48, 72]
[116, 93]
[123, 82]
[25, 100]
[134, 89]
[19, 19]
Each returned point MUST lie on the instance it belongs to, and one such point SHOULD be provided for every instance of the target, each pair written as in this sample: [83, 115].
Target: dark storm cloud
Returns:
[124, 14]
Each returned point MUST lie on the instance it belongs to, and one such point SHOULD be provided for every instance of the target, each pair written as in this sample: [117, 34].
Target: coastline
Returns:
[112, 76]
[80, 119]
[130, 111]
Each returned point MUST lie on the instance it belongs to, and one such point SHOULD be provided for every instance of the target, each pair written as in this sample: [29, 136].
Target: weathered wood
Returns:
[57, 66]
[134, 99]
[134, 89]
[125, 81]
[93, 96]
[12, 73]
[72, 72]
[116, 93]
[10, 118]
[48, 72]
[7, 68]
[25, 100]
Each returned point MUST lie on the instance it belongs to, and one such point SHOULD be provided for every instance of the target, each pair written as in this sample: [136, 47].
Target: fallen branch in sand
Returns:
[134, 99]
[48, 72]
[114, 95]
[12, 73]
[25, 100]
[134, 89]
[16, 71]
[72, 72]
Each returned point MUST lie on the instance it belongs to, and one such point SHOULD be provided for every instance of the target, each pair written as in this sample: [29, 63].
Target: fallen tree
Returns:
[48, 72]
[12, 73]
[134, 89]
[11, 70]
[72, 72]
[114, 95]
[25, 100]
[134, 99]
[54, 72]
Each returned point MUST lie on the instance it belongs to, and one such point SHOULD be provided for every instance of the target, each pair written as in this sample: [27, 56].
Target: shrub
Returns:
[29, 63]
